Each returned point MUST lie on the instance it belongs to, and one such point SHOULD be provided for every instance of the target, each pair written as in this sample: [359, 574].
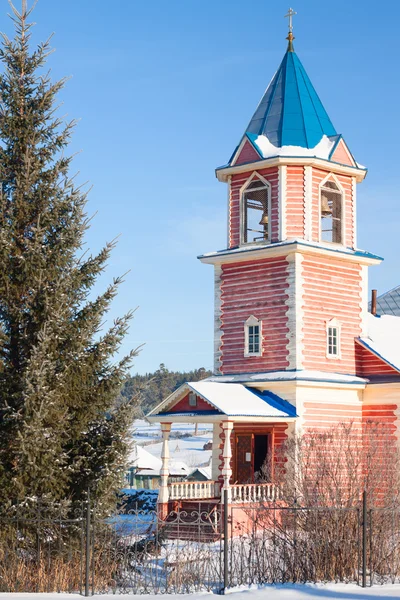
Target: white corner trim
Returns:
[217, 319]
[295, 312]
[354, 207]
[364, 300]
[282, 192]
[308, 203]
[228, 213]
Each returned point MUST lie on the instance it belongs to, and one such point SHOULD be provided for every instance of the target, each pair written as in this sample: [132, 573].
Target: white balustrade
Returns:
[194, 490]
[255, 492]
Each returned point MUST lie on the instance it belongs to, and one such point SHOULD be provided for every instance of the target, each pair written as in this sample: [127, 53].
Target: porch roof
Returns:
[229, 399]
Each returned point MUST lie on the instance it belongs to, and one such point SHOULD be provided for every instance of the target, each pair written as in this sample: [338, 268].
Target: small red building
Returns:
[295, 346]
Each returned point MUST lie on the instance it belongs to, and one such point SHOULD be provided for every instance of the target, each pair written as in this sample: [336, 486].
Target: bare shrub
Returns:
[314, 532]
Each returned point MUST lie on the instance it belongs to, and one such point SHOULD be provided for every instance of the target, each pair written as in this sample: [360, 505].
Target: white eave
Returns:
[250, 252]
[223, 173]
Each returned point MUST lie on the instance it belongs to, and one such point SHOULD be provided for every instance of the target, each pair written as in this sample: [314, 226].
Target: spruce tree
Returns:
[61, 431]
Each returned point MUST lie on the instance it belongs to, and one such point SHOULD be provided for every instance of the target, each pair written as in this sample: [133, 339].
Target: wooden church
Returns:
[295, 347]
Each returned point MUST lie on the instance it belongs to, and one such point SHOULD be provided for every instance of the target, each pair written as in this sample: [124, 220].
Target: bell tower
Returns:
[291, 287]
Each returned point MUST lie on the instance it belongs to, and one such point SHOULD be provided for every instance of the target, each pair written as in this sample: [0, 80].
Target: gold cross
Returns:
[290, 15]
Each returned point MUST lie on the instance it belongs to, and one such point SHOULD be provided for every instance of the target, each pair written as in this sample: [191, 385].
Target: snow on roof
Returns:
[144, 461]
[237, 400]
[206, 471]
[178, 467]
[148, 464]
[383, 338]
[267, 150]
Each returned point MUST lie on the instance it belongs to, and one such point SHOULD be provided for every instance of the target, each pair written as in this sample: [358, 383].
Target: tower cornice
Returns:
[245, 254]
[223, 173]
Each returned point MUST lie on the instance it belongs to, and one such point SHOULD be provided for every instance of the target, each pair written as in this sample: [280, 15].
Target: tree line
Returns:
[153, 388]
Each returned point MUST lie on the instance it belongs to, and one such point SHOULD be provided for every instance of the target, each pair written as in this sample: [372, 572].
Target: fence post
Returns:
[364, 539]
[226, 542]
[87, 554]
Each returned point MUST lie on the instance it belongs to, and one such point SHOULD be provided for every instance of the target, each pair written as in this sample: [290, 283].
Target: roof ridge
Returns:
[307, 81]
[298, 92]
[278, 75]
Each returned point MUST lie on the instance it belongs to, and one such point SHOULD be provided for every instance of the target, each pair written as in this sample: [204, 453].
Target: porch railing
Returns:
[255, 492]
[194, 490]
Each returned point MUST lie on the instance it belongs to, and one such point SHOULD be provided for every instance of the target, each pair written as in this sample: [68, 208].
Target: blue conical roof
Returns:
[290, 112]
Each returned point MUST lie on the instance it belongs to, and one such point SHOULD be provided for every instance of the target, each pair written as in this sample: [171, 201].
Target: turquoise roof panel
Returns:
[290, 112]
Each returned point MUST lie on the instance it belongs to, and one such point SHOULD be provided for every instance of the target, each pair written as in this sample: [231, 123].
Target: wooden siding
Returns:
[247, 155]
[256, 288]
[319, 416]
[295, 213]
[368, 364]
[331, 289]
[346, 183]
[384, 414]
[184, 406]
[237, 182]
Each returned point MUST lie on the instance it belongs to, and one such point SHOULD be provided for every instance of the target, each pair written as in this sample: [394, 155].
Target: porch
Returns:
[240, 493]
[248, 425]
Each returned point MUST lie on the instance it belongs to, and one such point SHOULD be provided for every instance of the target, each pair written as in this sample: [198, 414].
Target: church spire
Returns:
[290, 36]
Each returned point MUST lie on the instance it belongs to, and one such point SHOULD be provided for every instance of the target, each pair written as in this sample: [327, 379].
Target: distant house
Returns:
[200, 474]
[389, 303]
[144, 470]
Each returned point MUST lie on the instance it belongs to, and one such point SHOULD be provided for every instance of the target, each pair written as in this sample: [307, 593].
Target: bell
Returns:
[326, 211]
[264, 219]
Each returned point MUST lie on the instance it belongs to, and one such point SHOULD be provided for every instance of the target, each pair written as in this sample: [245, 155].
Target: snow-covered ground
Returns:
[329, 591]
[188, 450]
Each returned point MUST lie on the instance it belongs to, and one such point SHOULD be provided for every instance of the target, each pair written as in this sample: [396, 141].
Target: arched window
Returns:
[252, 337]
[255, 212]
[331, 213]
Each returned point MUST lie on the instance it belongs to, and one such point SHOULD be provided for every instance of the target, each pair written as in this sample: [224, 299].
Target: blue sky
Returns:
[164, 90]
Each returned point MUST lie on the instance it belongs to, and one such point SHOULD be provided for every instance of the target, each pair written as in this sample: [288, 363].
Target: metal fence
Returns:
[201, 548]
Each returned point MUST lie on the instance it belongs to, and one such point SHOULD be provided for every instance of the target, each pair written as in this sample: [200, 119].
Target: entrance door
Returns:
[252, 453]
[261, 458]
[244, 458]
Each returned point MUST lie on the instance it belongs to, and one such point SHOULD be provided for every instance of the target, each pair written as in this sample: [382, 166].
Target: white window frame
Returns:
[192, 399]
[252, 322]
[267, 185]
[334, 324]
[331, 177]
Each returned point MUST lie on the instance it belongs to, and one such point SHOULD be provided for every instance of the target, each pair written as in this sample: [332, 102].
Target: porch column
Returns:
[163, 493]
[227, 427]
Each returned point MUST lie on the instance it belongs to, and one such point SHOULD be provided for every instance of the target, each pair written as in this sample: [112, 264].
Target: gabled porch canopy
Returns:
[222, 400]
[227, 406]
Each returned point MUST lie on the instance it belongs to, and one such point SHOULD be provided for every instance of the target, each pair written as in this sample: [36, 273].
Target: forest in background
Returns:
[152, 388]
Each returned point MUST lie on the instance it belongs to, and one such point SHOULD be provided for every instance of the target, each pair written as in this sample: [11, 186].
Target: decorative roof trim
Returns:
[239, 148]
[341, 139]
